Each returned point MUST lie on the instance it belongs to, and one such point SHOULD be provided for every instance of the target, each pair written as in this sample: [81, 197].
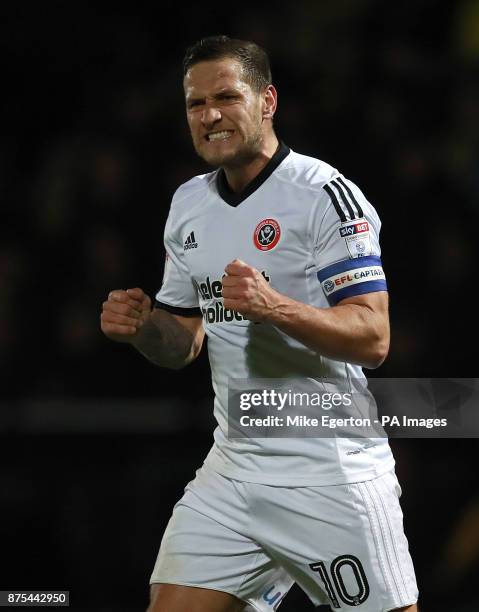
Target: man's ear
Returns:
[270, 101]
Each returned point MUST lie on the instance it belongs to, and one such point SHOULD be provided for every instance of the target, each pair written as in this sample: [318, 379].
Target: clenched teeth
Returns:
[219, 135]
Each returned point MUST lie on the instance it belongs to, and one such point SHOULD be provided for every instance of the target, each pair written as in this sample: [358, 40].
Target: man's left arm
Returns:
[355, 330]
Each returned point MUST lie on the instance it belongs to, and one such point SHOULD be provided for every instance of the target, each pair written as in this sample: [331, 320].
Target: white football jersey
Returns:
[314, 236]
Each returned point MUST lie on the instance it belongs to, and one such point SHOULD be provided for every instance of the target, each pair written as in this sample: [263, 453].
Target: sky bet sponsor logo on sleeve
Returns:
[356, 236]
[352, 277]
[354, 228]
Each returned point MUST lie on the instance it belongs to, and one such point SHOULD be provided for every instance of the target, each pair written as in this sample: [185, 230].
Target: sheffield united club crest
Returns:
[266, 234]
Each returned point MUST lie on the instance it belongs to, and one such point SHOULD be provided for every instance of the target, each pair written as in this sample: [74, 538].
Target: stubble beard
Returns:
[243, 154]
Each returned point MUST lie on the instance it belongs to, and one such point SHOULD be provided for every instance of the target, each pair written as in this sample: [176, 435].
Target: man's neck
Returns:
[239, 177]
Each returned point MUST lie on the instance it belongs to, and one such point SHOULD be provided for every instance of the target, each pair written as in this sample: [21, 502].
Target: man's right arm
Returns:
[165, 339]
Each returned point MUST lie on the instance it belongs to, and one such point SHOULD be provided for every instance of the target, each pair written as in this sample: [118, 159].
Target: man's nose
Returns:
[210, 116]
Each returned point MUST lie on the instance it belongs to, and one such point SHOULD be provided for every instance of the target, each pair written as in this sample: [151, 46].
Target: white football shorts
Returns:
[343, 544]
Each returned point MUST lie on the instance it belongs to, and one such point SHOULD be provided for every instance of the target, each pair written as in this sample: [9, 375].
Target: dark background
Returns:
[96, 444]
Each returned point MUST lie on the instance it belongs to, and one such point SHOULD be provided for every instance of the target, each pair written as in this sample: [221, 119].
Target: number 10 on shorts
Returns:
[334, 584]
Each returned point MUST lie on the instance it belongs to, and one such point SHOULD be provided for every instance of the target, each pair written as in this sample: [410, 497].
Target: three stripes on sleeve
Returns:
[337, 190]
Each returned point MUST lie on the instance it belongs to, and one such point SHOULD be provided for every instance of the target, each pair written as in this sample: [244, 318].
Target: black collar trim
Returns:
[232, 198]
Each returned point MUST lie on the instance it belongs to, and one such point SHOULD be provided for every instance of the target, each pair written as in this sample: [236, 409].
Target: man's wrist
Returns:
[280, 309]
[142, 333]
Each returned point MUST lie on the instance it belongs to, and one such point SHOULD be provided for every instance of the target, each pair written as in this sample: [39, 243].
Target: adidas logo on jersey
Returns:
[190, 242]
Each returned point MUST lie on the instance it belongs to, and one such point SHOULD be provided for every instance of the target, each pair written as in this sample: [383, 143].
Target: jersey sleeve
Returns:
[346, 251]
[177, 294]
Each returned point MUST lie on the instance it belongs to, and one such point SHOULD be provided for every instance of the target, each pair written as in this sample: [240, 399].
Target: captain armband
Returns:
[352, 277]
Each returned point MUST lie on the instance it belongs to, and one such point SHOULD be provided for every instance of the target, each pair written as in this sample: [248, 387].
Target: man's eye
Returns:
[223, 97]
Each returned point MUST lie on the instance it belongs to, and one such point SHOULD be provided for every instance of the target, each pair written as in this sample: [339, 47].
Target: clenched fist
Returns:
[124, 313]
[246, 291]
